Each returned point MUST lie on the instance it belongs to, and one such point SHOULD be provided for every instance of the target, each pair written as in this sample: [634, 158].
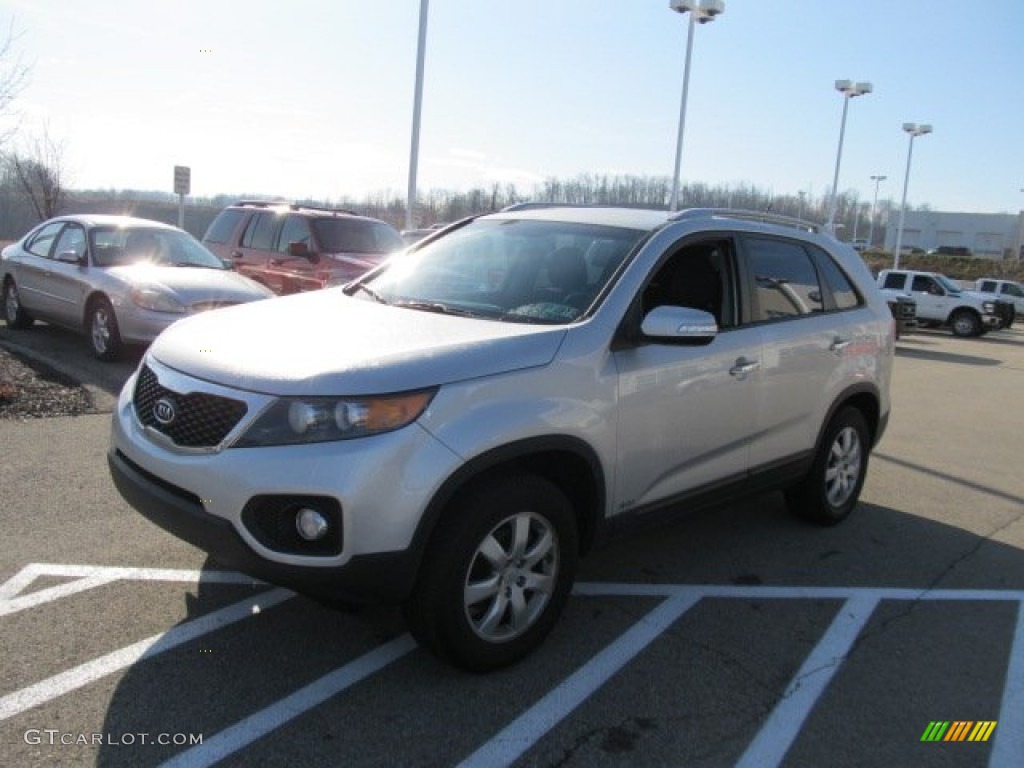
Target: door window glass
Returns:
[42, 240]
[295, 230]
[260, 232]
[785, 280]
[72, 240]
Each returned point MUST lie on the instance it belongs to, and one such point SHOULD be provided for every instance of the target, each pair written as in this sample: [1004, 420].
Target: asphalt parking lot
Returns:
[734, 637]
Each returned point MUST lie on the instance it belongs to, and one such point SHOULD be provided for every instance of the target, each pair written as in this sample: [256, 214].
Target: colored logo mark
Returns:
[959, 730]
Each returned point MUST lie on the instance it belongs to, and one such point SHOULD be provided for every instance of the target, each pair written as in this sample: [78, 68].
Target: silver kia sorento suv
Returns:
[516, 383]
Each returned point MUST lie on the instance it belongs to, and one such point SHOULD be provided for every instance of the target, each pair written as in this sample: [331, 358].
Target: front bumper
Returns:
[386, 577]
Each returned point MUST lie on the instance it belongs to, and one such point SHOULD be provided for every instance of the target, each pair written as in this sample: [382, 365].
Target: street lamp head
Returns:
[851, 89]
[703, 10]
[915, 129]
[879, 178]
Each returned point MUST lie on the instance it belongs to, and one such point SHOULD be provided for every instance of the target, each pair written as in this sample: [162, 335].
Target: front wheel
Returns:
[15, 314]
[829, 492]
[497, 573]
[104, 336]
[966, 323]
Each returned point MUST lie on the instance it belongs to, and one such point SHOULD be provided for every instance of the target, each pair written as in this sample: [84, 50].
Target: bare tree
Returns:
[41, 174]
[13, 78]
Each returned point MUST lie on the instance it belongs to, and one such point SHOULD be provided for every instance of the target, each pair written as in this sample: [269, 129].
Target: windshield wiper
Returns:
[437, 306]
[350, 290]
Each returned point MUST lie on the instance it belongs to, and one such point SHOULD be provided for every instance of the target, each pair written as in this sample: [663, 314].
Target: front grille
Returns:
[198, 420]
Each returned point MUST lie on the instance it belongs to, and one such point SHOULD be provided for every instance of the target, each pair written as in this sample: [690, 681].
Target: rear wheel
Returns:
[497, 574]
[15, 314]
[830, 491]
[104, 336]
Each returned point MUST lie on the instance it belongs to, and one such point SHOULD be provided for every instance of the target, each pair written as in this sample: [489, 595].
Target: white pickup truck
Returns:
[941, 302]
[1005, 290]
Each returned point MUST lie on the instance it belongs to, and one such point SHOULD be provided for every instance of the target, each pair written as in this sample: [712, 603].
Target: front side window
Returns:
[260, 232]
[785, 280]
[895, 280]
[71, 241]
[510, 270]
[988, 286]
[925, 284]
[295, 230]
[42, 241]
[699, 276]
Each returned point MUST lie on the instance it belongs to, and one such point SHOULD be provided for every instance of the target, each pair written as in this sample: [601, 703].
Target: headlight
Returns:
[157, 301]
[294, 420]
[989, 307]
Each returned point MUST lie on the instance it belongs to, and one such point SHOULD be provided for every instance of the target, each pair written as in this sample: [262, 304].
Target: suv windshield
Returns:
[948, 284]
[357, 236]
[506, 269]
[118, 246]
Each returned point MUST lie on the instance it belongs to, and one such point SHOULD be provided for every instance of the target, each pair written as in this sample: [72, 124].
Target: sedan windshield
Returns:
[118, 246]
[357, 236]
[505, 269]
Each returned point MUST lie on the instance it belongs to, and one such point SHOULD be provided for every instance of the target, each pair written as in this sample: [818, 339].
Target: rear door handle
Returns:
[742, 367]
[839, 344]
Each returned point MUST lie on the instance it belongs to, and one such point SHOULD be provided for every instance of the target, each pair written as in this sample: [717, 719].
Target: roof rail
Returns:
[762, 216]
[294, 206]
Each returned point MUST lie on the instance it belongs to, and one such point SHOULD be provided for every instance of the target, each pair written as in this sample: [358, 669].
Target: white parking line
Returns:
[15, 703]
[91, 576]
[782, 727]
[1008, 750]
[523, 732]
[246, 731]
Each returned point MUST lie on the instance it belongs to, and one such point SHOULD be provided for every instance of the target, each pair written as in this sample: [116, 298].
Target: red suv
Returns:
[292, 248]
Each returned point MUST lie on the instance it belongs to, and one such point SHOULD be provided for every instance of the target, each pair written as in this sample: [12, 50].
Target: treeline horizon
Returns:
[444, 205]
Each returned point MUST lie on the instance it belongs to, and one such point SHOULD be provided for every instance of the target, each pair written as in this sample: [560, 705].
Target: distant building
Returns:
[987, 235]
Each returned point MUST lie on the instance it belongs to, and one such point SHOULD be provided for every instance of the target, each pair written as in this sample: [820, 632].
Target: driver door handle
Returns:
[742, 367]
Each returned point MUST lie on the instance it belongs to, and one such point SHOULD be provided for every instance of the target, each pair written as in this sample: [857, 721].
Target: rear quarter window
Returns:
[223, 226]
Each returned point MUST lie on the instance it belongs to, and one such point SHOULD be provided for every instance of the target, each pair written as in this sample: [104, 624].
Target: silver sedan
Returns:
[117, 278]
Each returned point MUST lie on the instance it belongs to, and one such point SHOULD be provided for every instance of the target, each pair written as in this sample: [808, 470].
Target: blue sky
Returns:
[314, 98]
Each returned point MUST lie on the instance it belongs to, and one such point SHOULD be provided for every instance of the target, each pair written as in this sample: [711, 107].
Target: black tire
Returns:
[965, 323]
[830, 491]
[101, 328]
[528, 527]
[16, 315]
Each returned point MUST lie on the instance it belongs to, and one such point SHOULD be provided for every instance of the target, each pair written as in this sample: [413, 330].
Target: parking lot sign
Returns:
[182, 179]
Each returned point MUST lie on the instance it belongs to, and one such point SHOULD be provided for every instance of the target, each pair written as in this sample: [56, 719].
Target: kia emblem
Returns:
[164, 411]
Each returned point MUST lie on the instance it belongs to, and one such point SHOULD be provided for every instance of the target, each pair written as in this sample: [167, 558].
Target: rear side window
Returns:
[785, 280]
[895, 280]
[42, 240]
[223, 226]
[260, 232]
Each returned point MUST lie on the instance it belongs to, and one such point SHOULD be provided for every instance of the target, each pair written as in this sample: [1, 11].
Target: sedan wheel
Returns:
[103, 333]
[14, 313]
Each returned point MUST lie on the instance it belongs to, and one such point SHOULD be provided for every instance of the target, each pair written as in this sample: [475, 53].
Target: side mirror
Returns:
[71, 257]
[679, 324]
[301, 250]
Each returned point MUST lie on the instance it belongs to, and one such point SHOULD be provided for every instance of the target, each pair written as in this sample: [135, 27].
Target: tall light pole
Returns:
[414, 152]
[874, 204]
[701, 11]
[915, 130]
[849, 89]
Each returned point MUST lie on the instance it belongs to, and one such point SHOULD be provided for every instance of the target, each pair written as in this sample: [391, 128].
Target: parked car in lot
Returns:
[117, 278]
[951, 250]
[1009, 291]
[519, 384]
[292, 248]
[941, 302]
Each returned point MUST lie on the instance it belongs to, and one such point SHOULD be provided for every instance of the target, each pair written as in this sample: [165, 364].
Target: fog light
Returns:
[311, 524]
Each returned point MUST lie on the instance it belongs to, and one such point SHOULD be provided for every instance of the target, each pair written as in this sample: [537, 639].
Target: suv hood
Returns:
[327, 343]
